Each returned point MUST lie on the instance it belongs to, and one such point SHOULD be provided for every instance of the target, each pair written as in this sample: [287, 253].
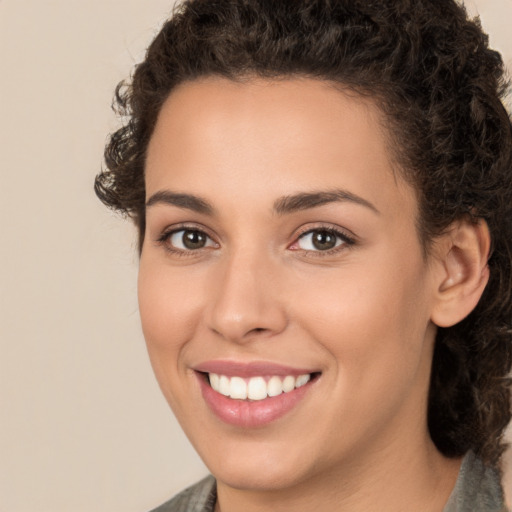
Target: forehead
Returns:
[295, 134]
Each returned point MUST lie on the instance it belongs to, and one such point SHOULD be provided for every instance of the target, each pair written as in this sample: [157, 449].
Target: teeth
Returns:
[256, 388]
[238, 388]
[288, 383]
[301, 380]
[224, 387]
[274, 386]
[214, 381]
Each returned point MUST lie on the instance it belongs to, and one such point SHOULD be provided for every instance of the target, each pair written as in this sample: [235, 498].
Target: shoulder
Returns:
[200, 497]
[478, 488]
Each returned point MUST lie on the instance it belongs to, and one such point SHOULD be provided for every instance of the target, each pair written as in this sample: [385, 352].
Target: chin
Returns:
[249, 477]
[259, 468]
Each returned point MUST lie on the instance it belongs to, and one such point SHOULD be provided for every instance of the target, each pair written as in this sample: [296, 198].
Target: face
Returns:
[284, 295]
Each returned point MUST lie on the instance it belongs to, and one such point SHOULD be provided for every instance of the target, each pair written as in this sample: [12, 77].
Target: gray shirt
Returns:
[477, 489]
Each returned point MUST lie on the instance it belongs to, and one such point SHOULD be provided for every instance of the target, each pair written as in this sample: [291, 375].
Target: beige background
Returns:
[83, 426]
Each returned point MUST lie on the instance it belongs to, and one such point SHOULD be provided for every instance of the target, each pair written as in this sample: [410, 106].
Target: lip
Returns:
[250, 369]
[245, 413]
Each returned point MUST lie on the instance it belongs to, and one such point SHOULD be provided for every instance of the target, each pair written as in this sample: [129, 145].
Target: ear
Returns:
[462, 254]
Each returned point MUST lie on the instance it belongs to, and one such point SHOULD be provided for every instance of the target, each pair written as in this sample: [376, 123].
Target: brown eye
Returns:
[190, 239]
[320, 240]
[323, 240]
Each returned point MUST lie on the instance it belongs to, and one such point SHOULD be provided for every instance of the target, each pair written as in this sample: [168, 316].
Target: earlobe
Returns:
[464, 273]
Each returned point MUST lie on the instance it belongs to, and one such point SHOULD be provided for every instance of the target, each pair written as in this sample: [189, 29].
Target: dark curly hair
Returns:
[440, 87]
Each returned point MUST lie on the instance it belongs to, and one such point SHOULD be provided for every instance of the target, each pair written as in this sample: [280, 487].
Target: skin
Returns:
[363, 315]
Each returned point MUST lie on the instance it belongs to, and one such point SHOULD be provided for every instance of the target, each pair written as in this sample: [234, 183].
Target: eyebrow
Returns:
[186, 201]
[282, 206]
[306, 200]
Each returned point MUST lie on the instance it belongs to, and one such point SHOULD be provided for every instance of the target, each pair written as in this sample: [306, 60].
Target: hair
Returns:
[440, 86]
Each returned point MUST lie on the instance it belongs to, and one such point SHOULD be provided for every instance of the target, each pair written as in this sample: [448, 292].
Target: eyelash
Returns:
[164, 239]
[346, 240]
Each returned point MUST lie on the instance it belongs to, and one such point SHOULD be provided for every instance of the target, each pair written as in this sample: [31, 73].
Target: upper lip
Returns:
[249, 369]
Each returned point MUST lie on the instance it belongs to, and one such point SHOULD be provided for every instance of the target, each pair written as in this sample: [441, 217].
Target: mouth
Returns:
[251, 396]
[257, 387]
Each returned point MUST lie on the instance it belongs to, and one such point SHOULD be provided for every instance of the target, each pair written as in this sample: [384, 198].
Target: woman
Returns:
[323, 195]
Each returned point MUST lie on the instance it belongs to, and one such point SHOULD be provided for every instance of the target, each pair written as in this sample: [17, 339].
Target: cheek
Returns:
[373, 328]
[372, 317]
[169, 311]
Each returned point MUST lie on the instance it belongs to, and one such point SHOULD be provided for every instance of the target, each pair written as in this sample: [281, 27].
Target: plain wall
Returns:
[83, 427]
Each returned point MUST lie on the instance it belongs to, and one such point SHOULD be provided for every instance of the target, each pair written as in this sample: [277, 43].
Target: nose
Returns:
[247, 301]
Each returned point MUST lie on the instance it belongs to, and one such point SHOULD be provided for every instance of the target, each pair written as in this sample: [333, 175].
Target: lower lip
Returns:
[247, 414]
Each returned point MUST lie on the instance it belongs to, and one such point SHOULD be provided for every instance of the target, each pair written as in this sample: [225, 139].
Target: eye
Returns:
[321, 240]
[189, 240]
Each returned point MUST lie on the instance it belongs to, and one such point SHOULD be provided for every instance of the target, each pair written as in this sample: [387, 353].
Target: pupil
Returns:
[323, 240]
[194, 239]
